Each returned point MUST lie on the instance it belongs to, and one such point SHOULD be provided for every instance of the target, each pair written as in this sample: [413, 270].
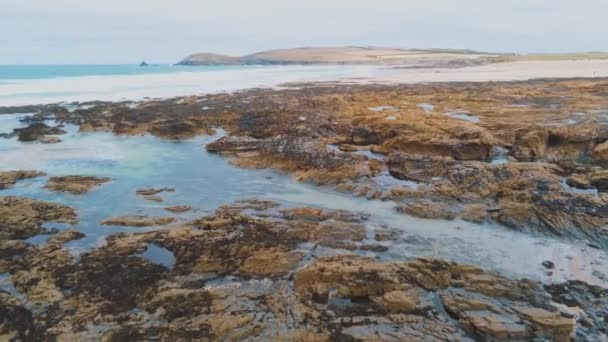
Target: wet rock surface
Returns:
[178, 208]
[23, 217]
[9, 178]
[137, 221]
[253, 270]
[531, 129]
[36, 131]
[75, 185]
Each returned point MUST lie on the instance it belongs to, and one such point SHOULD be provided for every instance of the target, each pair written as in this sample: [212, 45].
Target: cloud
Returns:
[114, 31]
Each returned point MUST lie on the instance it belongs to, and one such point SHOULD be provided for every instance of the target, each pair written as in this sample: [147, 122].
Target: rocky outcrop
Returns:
[379, 296]
[403, 143]
[75, 185]
[178, 208]
[243, 273]
[21, 218]
[138, 221]
[519, 195]
[9, 178]
[35, 131]
[153, 191]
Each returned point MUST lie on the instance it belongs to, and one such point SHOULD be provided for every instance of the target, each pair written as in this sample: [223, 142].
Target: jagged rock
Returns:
[592, 300]
[16, 322]
[531, 145]
[153, 191]
[21, 218]
[37, 131]
[270, 262]
[178, 208]
[600, 152]
[578, 181]
[477, 213]
[386, 235]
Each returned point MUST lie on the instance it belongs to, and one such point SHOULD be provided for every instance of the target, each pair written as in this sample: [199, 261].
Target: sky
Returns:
[165, 31]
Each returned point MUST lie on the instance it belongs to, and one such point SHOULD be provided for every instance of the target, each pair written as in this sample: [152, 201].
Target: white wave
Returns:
[138, 87]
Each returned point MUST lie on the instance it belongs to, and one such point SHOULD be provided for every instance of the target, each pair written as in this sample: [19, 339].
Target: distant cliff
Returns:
[210, 59]
[338, 55]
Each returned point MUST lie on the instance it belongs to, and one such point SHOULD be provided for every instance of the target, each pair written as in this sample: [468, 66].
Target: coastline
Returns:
[480, 160]
[185, 83]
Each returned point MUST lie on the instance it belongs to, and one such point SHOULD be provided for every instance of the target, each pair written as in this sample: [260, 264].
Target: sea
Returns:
[42, 84]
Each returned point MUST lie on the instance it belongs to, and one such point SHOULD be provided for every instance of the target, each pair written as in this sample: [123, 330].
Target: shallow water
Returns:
[205, 181]
[463, 115]
[159, 255]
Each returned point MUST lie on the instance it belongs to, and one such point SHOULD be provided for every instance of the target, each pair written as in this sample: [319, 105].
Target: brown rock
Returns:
[21, 218]
[153, 191]
[154, 198]
[578, 181]
[429, 210]
[475, 213]
[386, 235]
[75, 185]
[9, 178]
[138, 221]
[270, 263]
[178, 208]
[600, 152]
[403, 301]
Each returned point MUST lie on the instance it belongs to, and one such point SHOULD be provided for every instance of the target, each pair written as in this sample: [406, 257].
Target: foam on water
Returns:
[182, 82]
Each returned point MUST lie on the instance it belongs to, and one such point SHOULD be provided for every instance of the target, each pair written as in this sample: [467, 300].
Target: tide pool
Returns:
[205, 181]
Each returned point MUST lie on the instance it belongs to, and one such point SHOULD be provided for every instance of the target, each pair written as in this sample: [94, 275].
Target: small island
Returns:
[143, 64]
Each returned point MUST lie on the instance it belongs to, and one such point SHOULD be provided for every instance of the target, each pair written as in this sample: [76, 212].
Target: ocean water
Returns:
[42, 84]
[205, 181]
[10, 73]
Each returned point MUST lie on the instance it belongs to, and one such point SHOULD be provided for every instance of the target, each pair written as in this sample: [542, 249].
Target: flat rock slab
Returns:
[75, 185]
[178, 208]
[153, 191]
[138, 221]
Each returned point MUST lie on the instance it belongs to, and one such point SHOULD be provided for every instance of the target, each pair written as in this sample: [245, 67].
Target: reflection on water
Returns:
[205, 181]
[159, 255]
[7, 286]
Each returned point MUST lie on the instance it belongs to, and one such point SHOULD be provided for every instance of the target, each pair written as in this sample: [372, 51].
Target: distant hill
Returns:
[343, 55]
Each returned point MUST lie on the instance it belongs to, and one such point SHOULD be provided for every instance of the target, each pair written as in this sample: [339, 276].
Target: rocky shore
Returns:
[527, 155]
[256, 270]
[530, 156]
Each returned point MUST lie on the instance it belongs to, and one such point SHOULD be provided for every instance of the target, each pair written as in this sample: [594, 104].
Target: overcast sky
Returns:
[164, 31]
